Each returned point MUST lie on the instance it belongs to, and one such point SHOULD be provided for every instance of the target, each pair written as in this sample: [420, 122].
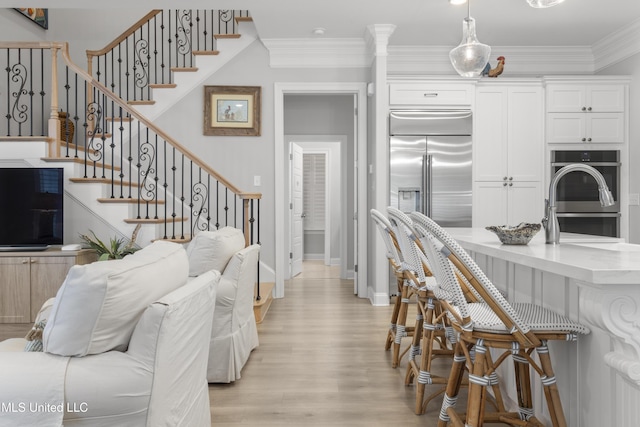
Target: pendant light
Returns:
[470, 57]
[541, 4]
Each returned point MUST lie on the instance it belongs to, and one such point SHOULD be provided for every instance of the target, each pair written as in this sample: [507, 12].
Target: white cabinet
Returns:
[581, 128]
[585, 113]
[436, 94]
[593, 98]
[508, 154]
[507, 203]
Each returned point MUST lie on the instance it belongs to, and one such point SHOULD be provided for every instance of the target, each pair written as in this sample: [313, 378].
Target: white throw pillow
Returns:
[212, 250]
[98, 306]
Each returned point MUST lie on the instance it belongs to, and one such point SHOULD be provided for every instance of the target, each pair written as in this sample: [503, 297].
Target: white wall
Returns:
[240, 158]
[631, 67]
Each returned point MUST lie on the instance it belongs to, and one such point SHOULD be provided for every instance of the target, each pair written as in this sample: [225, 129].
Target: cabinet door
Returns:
[14, 290]
[489, 203]
[525, 134]
[596, 98]
[605, 127]
[47, 275]
[490, 135]
[605, 98]
[525, 202]
[566, 98]
[566, 128]
[436, 94]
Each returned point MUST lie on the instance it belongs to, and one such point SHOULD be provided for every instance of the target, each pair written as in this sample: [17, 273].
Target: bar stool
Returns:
[517, 330]
[430, 332]
[397, 328]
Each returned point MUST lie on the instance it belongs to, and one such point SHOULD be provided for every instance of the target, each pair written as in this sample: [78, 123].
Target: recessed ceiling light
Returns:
[319, 31]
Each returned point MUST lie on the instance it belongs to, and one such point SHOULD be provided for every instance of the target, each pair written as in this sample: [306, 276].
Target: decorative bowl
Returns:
[521, 234]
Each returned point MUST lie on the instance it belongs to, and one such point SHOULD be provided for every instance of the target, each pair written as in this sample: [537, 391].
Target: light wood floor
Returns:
[321, 362]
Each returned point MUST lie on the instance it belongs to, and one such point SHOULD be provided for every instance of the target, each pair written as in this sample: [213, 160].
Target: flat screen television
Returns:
[31, 208]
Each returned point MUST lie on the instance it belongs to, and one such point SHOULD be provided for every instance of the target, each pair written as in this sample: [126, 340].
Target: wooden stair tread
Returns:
[226, 36]
[184, 69]
[107, 181]
[186, 239]
[155, 220]
[244, 19]
[117, 119]
[206, 52]
[142, 102]
[80, 161]
[260, 307]
[163, 85]
[128, 200]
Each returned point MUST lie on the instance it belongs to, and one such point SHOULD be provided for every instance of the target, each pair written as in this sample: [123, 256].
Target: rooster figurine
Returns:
[494, 72]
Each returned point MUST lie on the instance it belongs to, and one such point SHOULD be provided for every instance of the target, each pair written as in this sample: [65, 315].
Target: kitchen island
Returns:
[591, 279]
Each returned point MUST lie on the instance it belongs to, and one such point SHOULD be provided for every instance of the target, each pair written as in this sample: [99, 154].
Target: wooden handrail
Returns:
[149, 124]
[132, 29]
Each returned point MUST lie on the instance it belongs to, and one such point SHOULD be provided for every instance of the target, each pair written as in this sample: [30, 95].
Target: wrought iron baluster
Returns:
[199, 199]
[173, 199]
[19, 76]
[217, 204]
[170, 41]
[148, 61]
[162, 47]
[165, 185]
[208, 202]
[76, 118]
[31, 93]
[226, 206]
[182, 198]
[113, 135]
[155, 49]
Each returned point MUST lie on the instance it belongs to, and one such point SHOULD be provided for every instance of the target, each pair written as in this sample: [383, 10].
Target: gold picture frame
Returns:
[232, 110]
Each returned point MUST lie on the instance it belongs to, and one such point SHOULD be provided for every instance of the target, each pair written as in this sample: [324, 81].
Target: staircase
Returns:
[120, 165]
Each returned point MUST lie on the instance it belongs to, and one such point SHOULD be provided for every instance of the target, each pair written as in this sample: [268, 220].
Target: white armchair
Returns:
[157, 378]
[234, 333]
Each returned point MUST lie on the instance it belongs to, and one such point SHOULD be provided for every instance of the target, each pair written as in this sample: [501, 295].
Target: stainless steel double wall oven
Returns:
[579, 209]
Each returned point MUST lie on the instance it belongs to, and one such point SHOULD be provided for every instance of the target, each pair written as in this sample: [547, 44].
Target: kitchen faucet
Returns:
[550, 221]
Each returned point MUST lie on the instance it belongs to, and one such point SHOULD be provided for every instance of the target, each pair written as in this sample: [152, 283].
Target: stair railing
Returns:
[167, 184]
[144, 56]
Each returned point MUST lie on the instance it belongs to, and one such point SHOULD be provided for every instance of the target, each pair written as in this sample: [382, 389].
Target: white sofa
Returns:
[234, 332]
[125, 344]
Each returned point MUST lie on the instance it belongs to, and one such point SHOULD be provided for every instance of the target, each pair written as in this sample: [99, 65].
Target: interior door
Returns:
[296, 210]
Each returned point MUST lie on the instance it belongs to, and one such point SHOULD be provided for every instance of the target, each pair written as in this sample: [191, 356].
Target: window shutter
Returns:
[314, 188]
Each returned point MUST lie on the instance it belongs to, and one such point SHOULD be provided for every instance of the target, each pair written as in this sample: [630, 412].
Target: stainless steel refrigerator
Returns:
[430, 164]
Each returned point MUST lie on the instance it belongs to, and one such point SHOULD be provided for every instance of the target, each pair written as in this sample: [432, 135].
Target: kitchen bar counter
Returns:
[594, 280]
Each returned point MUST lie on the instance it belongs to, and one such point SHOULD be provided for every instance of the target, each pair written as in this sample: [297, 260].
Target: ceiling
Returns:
[418, 22]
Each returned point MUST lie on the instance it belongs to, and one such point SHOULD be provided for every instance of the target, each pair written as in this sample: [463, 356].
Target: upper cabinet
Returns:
[432, 93]
[508, 133]
[585, 113]
[587, 98]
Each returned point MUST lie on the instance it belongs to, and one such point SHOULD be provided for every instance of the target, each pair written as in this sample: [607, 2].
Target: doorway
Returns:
[319, 207]
[356, 220]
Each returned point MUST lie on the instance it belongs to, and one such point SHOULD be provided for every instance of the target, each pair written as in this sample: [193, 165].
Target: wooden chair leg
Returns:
[523, 386]
[453, 386]
[412, 365]
[424, 375]
[401, 322]
[550, 387]
[391, 335]
[477, 387]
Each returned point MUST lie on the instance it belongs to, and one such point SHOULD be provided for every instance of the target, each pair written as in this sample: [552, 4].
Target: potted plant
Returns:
[116, 249]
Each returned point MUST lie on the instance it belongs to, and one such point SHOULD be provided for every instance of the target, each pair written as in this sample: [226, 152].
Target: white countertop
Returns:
[592, 259]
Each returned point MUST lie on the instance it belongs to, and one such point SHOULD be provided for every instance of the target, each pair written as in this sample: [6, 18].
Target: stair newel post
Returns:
[89, 98]
[54, 123]
[246, 221]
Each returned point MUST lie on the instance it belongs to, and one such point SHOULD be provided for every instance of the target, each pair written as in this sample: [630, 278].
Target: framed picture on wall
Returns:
[232, 110]
[37, 15]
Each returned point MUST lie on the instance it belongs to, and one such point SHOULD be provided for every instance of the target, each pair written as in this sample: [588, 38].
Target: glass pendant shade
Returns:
[471, 56]
[541, 4]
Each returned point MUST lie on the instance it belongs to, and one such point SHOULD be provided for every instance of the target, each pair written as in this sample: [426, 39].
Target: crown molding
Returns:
[434, 60]
[617, 46]
[318, 53]
[520, 61]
